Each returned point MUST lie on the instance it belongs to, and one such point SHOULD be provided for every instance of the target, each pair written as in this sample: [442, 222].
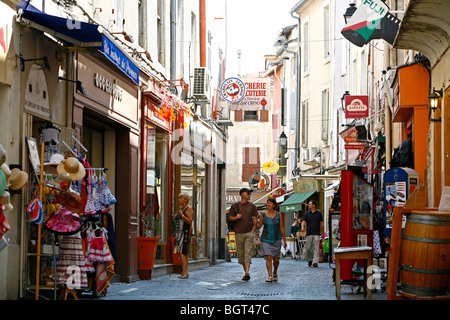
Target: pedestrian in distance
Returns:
[184, 217]
[245, 214]
[294, 228]
[271, 237]
[314, 230]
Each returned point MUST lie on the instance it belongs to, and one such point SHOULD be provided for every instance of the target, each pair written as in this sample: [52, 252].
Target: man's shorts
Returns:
[244, 246]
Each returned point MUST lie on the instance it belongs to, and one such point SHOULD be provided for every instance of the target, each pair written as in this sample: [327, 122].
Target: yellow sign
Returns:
[271, 167]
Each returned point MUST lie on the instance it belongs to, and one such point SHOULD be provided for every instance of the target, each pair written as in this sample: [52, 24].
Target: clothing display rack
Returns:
[94, 241]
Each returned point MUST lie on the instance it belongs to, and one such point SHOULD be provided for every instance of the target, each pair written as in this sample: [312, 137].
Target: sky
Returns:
[253, 26]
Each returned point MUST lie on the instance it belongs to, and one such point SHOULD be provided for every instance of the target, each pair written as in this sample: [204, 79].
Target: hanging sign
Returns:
[356, 107]
[261, 184]
[232, 90]
[257, 94]
[36, 93]
[371, 20]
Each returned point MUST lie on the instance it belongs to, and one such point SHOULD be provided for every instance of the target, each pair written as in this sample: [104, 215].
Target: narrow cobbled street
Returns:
[223, 281]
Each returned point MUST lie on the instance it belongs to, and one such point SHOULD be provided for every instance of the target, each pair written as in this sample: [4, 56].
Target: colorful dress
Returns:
[71, 259]
[271, 236]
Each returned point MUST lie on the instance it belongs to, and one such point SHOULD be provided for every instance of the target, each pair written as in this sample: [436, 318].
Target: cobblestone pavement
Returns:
[223, 281]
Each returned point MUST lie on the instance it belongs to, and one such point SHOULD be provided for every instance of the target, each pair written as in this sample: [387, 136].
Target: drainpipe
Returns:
[173, 40]
[299, 88]
[202, 33]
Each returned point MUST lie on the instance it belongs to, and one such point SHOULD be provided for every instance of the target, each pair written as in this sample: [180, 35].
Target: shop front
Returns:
[106, 122]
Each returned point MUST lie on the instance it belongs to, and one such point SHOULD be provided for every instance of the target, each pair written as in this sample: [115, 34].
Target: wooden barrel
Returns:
[425, 254]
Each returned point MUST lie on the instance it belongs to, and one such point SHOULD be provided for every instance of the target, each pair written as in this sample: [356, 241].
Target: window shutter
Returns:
[264, 116]
[238, 115]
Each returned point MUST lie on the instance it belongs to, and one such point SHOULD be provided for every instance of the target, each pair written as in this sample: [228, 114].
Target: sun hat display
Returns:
[64, 222]
[71, 201]
[62, 182]
[17, 179]
[73, 167]
[2, 182]
[55, 159]
[4, 167]
[35, 210]
[2, 155]
[4, 225]
[5, 201]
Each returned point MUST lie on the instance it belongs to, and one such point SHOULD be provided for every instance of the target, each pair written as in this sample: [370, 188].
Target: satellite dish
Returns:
[271, 167]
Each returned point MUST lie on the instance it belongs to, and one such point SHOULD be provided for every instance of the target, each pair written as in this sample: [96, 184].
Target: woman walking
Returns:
[271, 237]
[183, 238]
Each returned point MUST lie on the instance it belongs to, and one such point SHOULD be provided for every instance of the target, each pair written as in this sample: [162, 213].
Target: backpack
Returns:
[232, 224]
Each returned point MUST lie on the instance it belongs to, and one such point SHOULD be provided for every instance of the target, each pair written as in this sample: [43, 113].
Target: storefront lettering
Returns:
[108, 86]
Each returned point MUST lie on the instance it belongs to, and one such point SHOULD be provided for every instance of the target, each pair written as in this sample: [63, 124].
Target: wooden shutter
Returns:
[238, 115]
[264, 116]
[250, 162]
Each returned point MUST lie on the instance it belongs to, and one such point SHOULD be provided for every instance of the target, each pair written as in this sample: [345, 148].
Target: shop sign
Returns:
[257, 91]
[261, 185]
[120, 59]
[36, 93]
[356, 107]
[354, 146]
[306, 185]
[232, 90]
[351, 137]
[109, 87]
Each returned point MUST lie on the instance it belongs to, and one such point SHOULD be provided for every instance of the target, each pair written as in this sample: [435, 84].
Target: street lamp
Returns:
[283, 139]
[434, 100]
[80, 87]
[349, 12]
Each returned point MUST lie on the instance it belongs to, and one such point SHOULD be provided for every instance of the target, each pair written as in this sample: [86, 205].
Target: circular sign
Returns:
[263, 102]
[261, 185]
[232, 90]
[271, 167]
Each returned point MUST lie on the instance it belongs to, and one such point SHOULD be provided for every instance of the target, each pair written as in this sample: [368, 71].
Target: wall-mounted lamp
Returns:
[147, 54]
[44, 62]
[80, 87]
[283, 139]
[126, 35]
[434, 100]
[349, 12]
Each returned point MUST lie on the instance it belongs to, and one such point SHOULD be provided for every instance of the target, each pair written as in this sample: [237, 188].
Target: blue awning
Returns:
[82, 34]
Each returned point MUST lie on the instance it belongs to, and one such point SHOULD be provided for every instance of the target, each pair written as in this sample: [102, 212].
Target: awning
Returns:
[82, 34]
[295, 201]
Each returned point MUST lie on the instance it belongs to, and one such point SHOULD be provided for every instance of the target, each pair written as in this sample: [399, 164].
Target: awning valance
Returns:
[82, 34]
[295, 201]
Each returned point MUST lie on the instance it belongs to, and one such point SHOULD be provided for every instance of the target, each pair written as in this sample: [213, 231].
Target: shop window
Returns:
[156, 188]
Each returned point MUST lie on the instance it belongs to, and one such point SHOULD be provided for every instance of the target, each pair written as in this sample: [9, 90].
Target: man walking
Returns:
[314, 229]
[245, 216]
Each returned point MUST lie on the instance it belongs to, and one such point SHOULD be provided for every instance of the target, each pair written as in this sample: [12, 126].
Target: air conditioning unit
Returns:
[312, 153]
[305, 155]
[201, 83]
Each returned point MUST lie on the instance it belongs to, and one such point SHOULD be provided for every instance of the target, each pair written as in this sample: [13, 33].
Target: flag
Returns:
[371, 20]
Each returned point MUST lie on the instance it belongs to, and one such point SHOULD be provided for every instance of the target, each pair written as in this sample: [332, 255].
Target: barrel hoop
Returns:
[407, 268]
[430, 220]
[426, 240]
[424, 291]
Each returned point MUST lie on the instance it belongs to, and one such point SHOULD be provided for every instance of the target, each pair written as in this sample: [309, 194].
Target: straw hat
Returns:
[4, 167]
[62, 182]
[73, 167]
[5, 201]
[2, 155]
[71, 201]
[17, 179]
[55, 159]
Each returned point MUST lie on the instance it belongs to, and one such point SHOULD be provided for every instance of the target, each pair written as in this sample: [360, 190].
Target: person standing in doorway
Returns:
[245, 214]
[314, 229]
[271, 237]
[185, 216]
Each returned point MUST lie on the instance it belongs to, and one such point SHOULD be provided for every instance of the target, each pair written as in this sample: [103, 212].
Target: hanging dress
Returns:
[71, 259]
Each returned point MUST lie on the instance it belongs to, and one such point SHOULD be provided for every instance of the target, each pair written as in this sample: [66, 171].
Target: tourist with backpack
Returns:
[242, 216]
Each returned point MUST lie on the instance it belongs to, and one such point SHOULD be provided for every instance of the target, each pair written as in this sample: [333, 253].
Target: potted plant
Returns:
[147, 243]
